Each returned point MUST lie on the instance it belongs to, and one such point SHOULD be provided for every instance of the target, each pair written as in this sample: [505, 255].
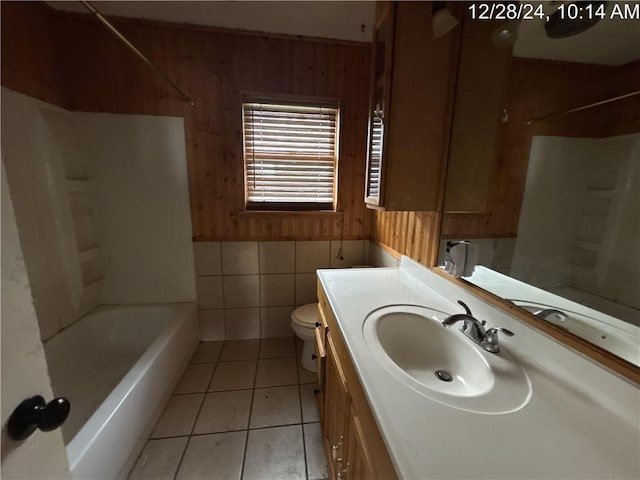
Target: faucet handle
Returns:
[466, 308]
[495, 330]
[490, 342]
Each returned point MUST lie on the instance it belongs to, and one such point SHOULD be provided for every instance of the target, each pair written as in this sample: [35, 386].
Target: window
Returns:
[375, 156]
[290, 155]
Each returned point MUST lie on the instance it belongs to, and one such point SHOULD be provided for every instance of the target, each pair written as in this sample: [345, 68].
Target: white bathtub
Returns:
[118, 366]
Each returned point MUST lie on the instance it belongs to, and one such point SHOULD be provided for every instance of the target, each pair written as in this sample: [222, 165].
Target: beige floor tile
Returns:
[305, 377]
[207, 352]
[309, 403]
[224, 411]
[276, 371]
[316, 462]
[240, 350]
[178, 416]
[159, 460]
[217, 456]
[274, 454]
[234, 375]
[195, 378]
[275, 406]
[277, 347]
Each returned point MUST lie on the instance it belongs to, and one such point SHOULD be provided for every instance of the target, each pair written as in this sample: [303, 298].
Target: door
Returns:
[24, 367]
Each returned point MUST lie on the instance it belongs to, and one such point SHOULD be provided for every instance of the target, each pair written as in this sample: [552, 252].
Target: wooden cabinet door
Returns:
[336, 404]
[357, 464]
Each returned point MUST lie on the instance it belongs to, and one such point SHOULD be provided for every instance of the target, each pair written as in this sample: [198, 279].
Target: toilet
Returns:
[303, 322]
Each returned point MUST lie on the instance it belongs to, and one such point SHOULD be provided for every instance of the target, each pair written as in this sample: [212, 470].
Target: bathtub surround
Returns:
[102, 208]
[102, 205]
[36, 144]
[243, 409]
[142, 200]
[118, 367]
[24, 366]
[249, 289]
[590, 244]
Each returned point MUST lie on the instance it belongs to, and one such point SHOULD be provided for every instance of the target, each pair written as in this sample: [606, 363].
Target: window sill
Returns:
[288, 213]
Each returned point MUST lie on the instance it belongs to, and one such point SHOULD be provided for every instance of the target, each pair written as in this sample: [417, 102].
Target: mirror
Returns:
[553, 199]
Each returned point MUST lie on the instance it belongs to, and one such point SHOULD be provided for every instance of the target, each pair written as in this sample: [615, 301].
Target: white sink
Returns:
[441, 363]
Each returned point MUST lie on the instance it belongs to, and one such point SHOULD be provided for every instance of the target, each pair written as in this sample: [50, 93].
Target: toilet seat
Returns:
[306, 315]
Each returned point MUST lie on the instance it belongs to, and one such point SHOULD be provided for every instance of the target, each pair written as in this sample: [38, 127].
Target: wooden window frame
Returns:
[302, 101]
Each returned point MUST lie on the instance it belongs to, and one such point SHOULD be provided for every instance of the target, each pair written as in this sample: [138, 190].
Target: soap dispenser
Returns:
[460, 258]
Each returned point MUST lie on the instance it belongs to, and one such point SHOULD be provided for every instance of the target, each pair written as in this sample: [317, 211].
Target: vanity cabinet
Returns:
[353, 445]
[411, 94]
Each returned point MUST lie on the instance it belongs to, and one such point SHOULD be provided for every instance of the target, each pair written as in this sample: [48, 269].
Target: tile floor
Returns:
[243, 409]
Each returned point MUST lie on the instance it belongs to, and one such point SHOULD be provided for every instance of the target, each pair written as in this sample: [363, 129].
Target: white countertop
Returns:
[581, 421]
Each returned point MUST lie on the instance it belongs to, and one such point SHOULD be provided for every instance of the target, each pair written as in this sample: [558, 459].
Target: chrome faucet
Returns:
[474, 329]
[545, 313]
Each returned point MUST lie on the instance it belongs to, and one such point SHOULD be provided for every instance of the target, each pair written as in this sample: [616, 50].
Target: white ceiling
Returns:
[609, 42]
[341, 20]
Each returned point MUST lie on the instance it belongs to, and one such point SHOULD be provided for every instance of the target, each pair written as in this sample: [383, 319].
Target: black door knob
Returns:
[34, 413]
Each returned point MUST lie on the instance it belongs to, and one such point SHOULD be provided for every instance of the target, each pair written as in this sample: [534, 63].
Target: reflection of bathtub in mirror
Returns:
[618, 337]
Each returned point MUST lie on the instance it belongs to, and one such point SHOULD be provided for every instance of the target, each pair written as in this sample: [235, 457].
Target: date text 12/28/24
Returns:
[570, 11]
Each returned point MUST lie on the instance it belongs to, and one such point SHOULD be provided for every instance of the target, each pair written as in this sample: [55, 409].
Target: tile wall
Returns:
[380, 258]
[249, 289]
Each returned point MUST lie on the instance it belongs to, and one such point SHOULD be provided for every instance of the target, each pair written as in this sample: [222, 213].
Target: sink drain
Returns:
[444, 376]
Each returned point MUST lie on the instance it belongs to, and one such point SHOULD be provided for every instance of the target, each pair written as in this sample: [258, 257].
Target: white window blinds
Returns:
[375, 158]
[290, 154]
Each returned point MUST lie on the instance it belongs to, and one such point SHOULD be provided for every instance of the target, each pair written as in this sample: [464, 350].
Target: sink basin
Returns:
[441, 363]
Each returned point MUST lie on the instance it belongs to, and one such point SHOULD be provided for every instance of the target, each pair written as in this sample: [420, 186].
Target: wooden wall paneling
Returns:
[406, 233]
[565, 85]
[37, 63]
[96, 73]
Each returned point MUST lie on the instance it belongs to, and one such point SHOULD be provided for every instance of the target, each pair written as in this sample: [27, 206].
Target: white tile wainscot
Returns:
[249, 289]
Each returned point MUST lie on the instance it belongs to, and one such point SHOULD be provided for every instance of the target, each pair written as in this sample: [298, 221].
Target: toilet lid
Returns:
[306, 314]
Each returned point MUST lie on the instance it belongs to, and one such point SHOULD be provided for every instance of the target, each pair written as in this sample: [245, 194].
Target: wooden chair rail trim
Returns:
[387, 249]
[289, 213]
[273, 238]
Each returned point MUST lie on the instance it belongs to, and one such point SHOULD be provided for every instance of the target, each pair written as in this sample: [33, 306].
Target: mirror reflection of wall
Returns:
[562, 208]
[580, 222]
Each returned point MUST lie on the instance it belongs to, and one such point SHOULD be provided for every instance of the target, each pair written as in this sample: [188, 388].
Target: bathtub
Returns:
[118, 366]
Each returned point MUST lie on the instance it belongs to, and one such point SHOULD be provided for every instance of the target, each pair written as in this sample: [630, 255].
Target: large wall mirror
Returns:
[544, 170]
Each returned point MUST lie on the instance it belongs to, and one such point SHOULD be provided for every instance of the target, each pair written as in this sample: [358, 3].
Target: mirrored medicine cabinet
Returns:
[543, 176]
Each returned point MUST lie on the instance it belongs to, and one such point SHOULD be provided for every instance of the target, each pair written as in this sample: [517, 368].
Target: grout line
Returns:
[260, 307]
[304, 443]
[195, 421]
[253, 392]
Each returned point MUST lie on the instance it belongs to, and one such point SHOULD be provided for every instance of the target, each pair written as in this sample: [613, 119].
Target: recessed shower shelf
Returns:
[589, 245]
[89, 253]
